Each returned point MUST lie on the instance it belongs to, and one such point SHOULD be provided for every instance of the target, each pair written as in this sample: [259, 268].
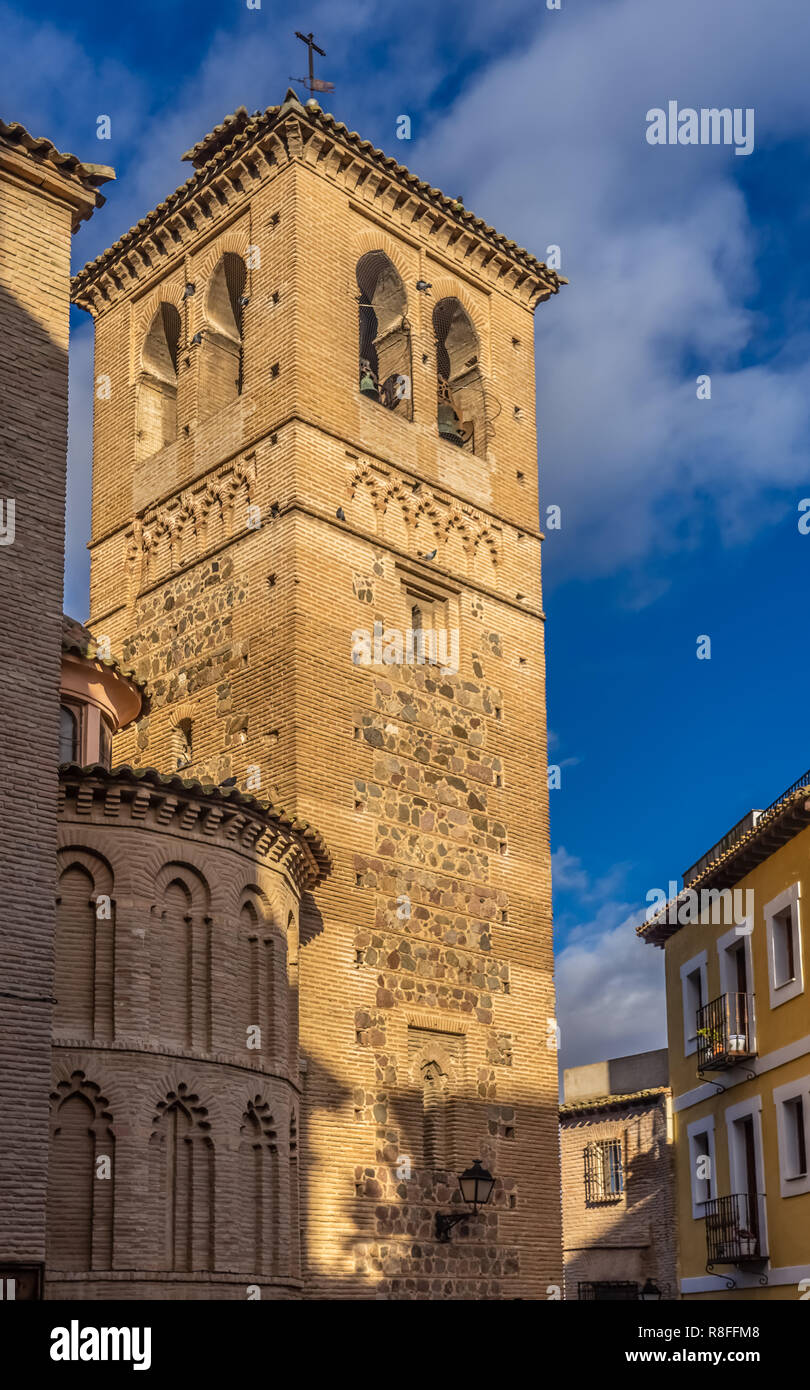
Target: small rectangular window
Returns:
[607, 1292]
[784, 939]
[784, 965]
[604, 1174]
[792, 1104]
[694, 1002]
[795, 1138]
[701, 1158]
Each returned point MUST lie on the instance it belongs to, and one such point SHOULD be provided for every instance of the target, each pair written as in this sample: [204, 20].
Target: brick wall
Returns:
[175, 1095]
[35, 229]
[632, 1238]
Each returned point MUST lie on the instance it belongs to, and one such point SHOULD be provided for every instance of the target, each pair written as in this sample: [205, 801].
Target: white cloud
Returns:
[609, 983]
[569, 875]
[548, 143]
[659, 245]
[610, 989]
[567, 872]
[54, 87]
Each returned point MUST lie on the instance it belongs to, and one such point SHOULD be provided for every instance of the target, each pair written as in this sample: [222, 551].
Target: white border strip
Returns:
[715, 1283]
[759, 1065]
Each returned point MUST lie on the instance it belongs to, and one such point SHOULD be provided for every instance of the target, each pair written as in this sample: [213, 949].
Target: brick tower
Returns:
[315, 533]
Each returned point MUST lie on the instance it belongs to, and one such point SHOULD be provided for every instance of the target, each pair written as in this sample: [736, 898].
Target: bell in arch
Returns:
[449, 423]
[368, 385]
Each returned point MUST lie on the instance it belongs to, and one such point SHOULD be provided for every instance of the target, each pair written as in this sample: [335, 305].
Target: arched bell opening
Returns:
[221, 373]
[461, 403]
[157, 387]
[384, 335]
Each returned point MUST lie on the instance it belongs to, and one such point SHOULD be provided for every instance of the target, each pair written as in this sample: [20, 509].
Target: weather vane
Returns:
[312, 83]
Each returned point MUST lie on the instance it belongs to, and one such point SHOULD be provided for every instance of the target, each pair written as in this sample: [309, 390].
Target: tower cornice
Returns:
[170, 802]
[36, 160]
[245, 149]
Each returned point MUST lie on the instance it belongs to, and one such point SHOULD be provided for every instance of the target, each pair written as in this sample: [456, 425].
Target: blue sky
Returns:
[679, 516]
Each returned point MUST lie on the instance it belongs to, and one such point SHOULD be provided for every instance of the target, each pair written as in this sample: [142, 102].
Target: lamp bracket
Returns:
[445, 1221]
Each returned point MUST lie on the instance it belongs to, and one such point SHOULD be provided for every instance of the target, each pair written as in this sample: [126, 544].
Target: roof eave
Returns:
[209, 152]
[648, 1096]
[770, 834]
[310, 840]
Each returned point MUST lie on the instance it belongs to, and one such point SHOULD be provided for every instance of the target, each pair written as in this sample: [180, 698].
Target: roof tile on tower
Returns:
[236, 132]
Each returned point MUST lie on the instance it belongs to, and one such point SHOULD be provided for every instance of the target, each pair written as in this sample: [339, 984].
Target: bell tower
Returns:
[315, 534]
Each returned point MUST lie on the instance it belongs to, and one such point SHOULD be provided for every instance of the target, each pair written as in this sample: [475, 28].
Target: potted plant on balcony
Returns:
[712, 1040]
[747, 1243]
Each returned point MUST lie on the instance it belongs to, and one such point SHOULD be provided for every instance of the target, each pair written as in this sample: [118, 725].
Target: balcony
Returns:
[734, 1230]
[725, 1032]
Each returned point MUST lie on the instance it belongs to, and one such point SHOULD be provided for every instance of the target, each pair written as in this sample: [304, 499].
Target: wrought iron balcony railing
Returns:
[734, 1230]
[725, 1032]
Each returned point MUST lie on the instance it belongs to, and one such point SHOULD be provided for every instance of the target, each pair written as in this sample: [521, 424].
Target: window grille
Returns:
[607, 1291]
[604, 1174]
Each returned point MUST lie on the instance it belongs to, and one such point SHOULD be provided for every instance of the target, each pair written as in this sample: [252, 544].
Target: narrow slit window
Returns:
[68, 735]
[795, 1136]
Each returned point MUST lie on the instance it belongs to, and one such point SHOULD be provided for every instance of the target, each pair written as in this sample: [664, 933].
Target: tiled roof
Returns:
[774, 828]
[225, 133]
[236, 132]
[77, 640]
[212, 795]
[576, 1107]
[40, 149]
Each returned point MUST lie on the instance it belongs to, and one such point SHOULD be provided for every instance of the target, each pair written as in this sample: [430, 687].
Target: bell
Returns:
[368, 385]
[449, 424]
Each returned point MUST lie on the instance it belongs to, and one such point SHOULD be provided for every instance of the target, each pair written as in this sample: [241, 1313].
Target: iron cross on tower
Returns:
[314, 84]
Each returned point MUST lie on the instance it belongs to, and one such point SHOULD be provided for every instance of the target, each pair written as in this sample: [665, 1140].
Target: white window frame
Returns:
[744, 930]
[688, 968]
[736, 1171]
[704, 1126]
[792, 1187]
[791, 897]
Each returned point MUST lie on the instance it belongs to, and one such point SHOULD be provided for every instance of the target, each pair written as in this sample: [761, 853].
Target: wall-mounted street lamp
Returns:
[650, 1293]
[476, 1189]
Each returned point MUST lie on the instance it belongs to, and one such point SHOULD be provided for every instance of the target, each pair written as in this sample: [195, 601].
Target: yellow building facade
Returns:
[737, 940]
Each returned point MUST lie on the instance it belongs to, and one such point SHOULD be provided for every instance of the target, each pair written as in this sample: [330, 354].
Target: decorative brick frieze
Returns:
[176, 1018]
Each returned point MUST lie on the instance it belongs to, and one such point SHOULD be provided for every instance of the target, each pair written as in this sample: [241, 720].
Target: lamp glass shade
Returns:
[650, 1292]
[476, 1184]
